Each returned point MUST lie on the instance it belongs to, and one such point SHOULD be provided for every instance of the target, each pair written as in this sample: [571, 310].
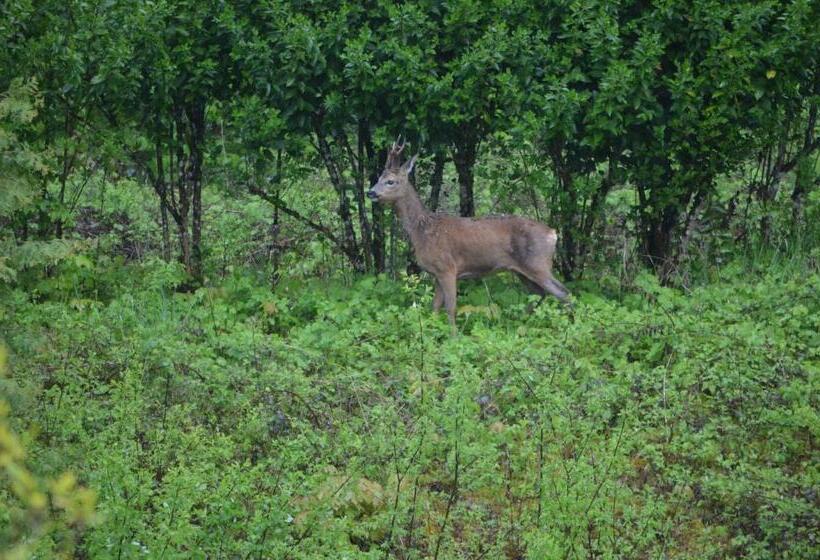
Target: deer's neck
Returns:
[413, 215]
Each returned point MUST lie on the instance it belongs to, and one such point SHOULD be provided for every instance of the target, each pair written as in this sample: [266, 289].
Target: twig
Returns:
[453, 494]
[608, 467]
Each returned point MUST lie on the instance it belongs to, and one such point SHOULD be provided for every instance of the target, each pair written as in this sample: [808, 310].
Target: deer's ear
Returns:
[408, 167]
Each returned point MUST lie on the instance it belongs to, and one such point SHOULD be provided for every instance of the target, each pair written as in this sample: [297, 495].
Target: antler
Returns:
[394, 155]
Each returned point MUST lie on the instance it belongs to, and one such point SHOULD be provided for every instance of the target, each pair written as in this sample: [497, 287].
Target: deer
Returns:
[452, 248]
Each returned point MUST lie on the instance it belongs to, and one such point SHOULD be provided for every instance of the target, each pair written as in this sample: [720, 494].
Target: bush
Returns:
[334, 420]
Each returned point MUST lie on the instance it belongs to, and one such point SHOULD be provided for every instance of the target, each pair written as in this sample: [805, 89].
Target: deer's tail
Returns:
[552, 239]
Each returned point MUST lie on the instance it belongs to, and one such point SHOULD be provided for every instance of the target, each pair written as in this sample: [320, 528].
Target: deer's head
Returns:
[394, 182]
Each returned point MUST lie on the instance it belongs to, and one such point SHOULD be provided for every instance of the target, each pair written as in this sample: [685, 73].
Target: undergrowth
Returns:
[331, 419]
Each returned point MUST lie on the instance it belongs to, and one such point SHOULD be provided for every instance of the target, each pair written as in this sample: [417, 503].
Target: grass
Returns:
[331, 419]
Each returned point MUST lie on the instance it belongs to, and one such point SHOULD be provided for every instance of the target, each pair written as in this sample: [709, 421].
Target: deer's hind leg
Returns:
[534, 288]
[557, 289]
[542, 277]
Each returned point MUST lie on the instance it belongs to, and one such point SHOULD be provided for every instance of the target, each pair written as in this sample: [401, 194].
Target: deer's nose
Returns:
[371, 194]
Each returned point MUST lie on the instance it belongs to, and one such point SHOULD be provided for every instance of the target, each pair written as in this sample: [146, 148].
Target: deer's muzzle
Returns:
[371, 194]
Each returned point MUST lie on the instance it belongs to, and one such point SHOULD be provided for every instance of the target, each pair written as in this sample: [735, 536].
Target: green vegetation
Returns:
[212, 345]
[334, 420]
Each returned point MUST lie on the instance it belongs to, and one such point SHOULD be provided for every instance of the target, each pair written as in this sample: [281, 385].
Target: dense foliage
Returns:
[580, 98]
[218, 347]
[333, 420]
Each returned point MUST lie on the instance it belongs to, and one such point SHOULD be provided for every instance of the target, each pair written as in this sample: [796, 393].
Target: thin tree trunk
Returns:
[68, 164]
[590, 218]
[436, 180]
[197, 140]
[276, 256]
[161, 189]
[376, 160]
[58, 224]
[183, 195]
[769, 187]
[393, 233]
[464, 156]
[351, 244]
[361, 177]
[184, 241]
[567, 212]
[802, 186]
[802, 180]
[658, 239]
[43, 222]
[166, 234]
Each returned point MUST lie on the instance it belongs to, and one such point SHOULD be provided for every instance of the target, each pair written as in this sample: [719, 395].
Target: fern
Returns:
[20, 169]
[42, 253]
[19, 164]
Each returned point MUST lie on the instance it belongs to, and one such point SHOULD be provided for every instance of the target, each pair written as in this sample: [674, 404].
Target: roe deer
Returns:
[451, 247]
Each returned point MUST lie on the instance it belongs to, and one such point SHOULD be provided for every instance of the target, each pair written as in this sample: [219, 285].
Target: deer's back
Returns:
[478, 246]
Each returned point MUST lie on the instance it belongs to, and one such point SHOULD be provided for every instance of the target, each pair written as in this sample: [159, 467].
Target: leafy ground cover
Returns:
[339, 419]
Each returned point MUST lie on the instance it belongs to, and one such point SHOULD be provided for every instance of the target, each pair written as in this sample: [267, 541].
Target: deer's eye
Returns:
[390, 182]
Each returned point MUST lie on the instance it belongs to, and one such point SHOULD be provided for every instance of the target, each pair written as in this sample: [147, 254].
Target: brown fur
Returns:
[450, 247]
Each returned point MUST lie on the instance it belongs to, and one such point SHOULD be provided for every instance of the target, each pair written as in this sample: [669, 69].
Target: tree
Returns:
[21, 171]
[567, 52]
[689, 96]
[668, 98]
[78, 58]
[477, 46]
[181, 52]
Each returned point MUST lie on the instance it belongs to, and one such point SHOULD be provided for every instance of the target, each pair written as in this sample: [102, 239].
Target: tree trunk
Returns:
[351, 244]
[43, 221]
[657, 239]
[196, 141]
[590, 217]
[349, 232]
[803, 181]
[166, 234]
[568, 230]
[804, 176]
[464, 156]
[58, 224]
[567, 261]
[275, 229]
[183, 202]
[436, 180]
[376, 160]
[162, 190]
[393, 233]
[275, 253]
[68, 164]
[567, 211]
[184, 240]
[360, 173]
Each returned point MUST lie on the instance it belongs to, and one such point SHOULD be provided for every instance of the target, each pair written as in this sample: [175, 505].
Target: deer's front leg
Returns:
[438, 299]
[448, 287]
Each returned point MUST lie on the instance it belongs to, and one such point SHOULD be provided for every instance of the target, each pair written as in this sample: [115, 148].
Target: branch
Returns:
[277, 202]
[341, 139]
[170, 205]
[805, 151]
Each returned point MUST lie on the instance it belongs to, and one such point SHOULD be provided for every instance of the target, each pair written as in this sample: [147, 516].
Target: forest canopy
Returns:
[575, 101]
